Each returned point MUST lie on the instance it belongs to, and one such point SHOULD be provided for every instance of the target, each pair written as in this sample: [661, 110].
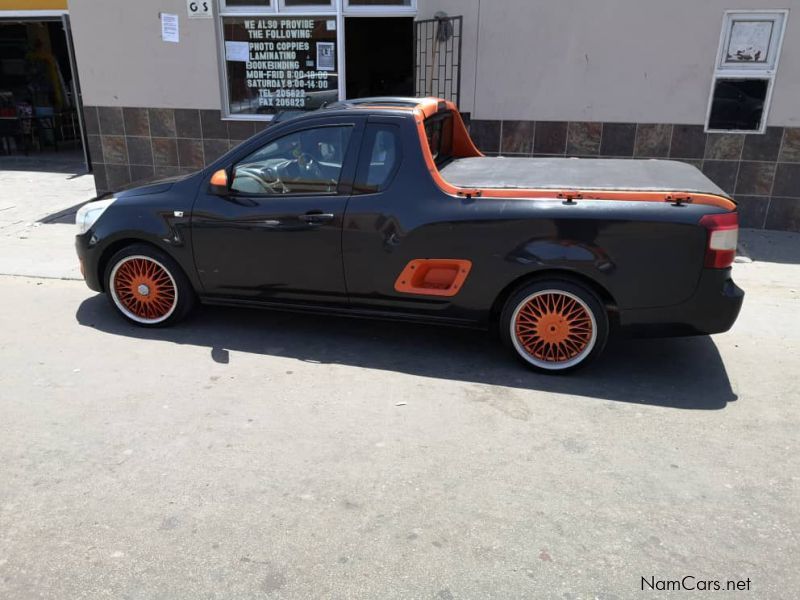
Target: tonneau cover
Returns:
[607, 174]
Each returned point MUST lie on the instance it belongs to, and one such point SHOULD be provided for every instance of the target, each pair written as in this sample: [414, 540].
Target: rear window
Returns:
[381, 160]
[439, 131]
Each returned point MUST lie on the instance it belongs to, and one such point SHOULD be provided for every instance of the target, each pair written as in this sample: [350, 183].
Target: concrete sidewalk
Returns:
[37, 214]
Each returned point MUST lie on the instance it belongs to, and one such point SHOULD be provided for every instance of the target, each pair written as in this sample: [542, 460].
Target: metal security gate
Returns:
[437, 57]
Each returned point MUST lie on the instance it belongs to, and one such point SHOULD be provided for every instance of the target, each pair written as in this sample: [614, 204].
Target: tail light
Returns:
[723, 234]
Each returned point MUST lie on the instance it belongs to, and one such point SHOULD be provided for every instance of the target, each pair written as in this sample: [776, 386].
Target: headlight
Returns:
[90, 212]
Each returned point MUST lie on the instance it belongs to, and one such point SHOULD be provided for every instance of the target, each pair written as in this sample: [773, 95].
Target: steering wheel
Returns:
[306, 162]
[272, 180]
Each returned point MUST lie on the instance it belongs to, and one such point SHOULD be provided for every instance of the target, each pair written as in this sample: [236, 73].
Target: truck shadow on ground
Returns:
[68, 162]
[61, 217]
[685, 373]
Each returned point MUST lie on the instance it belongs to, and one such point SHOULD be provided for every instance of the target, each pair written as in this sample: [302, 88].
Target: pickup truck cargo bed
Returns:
[578, 174]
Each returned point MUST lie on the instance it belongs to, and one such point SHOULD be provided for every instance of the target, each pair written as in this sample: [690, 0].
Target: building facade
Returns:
[170, 85]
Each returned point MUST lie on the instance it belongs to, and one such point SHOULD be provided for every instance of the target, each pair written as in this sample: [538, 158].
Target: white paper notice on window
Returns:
[169, 28]
[326, 56]
[237, 51]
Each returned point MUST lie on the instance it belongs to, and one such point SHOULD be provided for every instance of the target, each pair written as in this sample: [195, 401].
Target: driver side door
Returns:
[275, 235]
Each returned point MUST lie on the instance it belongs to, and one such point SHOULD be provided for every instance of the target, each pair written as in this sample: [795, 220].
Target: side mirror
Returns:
[219, 183]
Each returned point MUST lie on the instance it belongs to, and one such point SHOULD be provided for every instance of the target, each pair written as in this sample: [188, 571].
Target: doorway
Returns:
[379, 56]
[40, 106]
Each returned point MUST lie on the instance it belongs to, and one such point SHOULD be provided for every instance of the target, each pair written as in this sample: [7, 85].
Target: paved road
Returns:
[261, 455]
[265, 455]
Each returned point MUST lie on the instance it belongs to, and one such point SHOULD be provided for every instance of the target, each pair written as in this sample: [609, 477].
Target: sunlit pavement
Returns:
[249, 454]
[37, 213]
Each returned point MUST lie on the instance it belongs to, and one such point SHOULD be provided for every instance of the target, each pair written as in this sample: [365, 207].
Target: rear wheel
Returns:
[147, 287]
[554, 326]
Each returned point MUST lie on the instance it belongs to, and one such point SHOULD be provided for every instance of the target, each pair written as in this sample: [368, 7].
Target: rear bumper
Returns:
[713, 308]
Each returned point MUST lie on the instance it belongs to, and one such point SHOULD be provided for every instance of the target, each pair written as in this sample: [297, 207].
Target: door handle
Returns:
[313, 218]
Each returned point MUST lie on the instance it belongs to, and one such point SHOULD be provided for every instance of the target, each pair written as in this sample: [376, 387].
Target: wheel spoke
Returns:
[144, 288]
[554, 327]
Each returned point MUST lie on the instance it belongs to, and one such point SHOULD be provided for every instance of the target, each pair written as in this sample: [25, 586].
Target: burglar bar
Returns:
[437, 58]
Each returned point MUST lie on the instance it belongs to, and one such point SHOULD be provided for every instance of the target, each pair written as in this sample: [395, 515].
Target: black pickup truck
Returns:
[384, 207]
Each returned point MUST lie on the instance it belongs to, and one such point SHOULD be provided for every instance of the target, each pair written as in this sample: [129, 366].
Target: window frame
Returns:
[225, 111]
[254, 10]
[766, 71]
[340, 189]
[338, 9]
[323, 8]
[385, 10]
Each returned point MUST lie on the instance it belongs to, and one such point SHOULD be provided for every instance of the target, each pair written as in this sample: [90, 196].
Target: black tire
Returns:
[554, 326]
[147, 287]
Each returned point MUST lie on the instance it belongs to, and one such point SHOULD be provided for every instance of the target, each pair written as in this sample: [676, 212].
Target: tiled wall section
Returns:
[130, 145]
[762, 172]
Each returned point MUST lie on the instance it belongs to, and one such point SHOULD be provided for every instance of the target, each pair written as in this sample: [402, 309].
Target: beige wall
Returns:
[786, 100]
[609, 60]
[123, 62]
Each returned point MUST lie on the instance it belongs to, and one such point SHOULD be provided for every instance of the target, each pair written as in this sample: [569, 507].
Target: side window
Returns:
[439, 131]
[380, 158]
[303, 162]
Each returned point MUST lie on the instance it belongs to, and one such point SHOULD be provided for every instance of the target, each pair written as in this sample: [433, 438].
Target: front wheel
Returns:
[147, 287]
[554, 326]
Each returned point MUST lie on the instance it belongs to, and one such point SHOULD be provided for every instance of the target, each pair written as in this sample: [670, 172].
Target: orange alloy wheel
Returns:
[143, 289]
[555, 328]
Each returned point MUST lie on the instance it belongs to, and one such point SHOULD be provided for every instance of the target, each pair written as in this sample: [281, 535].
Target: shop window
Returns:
[303, 6]
[747, 61]
[305, 3]
[275, 64]
[738, 104]
[379, 6]
[284, 55]
[245, 3]
[379, 2]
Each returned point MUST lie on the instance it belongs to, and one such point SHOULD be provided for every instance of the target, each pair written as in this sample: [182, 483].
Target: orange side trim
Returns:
[386, 107]
[465, 147]
[433, 276]
[429, 106]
